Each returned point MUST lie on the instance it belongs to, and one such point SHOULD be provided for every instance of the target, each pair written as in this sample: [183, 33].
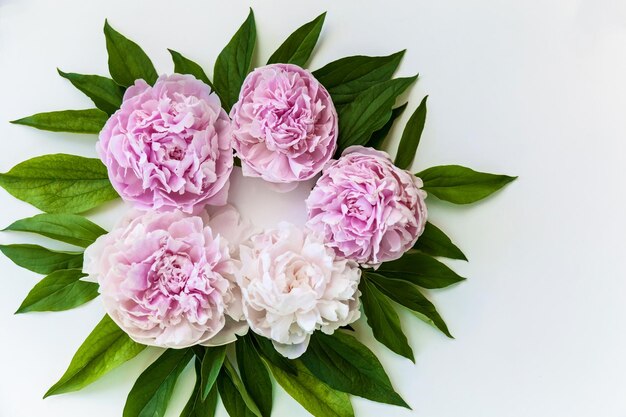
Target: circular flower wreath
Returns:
[184, 271]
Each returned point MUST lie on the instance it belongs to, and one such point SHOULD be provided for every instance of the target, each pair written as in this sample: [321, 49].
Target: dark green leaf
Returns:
[42, 260]
[408, 295]
[184, 65]
[348, 77]
[68, 228]
[411, 137]
[254, 375]
[345, 364]
[106, 348]
[461, 185]
[211, 364]
[60, 183]
[434, 242]
[266, 349]
[74, 121]
[153, 389]
[384, 320]
[315, 396]
[369, 112]
[235, 397]
[59, 291]
[420, 269]
[378, 138]
[300, 44]
[127, 61]
[233, 63]
[196, 407]
[105, 93]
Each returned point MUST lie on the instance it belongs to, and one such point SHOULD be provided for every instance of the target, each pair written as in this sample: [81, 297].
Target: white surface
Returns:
[533, 88]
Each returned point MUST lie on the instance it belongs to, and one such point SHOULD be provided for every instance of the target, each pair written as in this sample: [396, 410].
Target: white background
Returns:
[534, 88]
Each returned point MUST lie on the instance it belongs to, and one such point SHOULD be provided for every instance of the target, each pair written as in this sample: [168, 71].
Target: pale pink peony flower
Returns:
[368, 209]
[284, 124]
[166, 280]
[292, 285]
[169, 147]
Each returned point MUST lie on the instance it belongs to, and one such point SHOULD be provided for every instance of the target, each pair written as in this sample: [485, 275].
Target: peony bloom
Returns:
[284, 124]
[368, 209]
[166, 280]
[292, 285]
[168, 146]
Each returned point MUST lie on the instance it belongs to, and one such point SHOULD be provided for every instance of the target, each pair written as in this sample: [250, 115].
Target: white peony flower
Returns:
[292, 285]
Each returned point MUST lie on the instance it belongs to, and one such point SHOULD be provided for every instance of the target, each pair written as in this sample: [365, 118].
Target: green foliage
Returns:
[299, 46]
[127, 61]
[68, 228]
[73, 121]
[59, 291]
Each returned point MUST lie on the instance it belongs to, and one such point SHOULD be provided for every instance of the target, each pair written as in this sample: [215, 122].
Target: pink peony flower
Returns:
[292, 285]
[166, 280]
[168, 146]
[284, 124]
[368, 209]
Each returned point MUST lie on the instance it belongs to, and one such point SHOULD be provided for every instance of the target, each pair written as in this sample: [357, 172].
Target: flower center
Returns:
[171, 273]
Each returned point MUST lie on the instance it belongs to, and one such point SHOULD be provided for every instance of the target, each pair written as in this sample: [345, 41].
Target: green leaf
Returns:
[42, 260]
[461, 185]
[378, 138]
[106, 348]
[265, 347]
[127, 61]
[254, 375]
[105, 93]
[233, 63]
[211, 364]
[347, 77]
[184, 65]
[60, 183]
[235, 397]
[315, 396]
[345, 364]
[153, 389]
[421, 270]
[196, 407]
[59, 291]
[68, 228]
[73, 121]
[411, 137]
[298, 47]
[384, 320]
[434, 242]
[369, 112]
[409, 296]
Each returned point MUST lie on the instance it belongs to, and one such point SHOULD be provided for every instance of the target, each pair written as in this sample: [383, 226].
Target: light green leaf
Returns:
[421, 270]
[196, 407]
[434, 242]
[411, 137]
[345, 364]
[212, 362]
[60, 183]
[68, 228]
[235, 397]
[73, 121]
[299, 46]
[153, 389]
[184, 65]
[347, 77]
[59, 291]
[254, 375]
[127, 61]
[106, 348]
[42, 260]
[378, 138]
[384, 320]
[461, 185]
[409, 296]
[233, 63]
[369, 112]
[105, 93]
[315, 396]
